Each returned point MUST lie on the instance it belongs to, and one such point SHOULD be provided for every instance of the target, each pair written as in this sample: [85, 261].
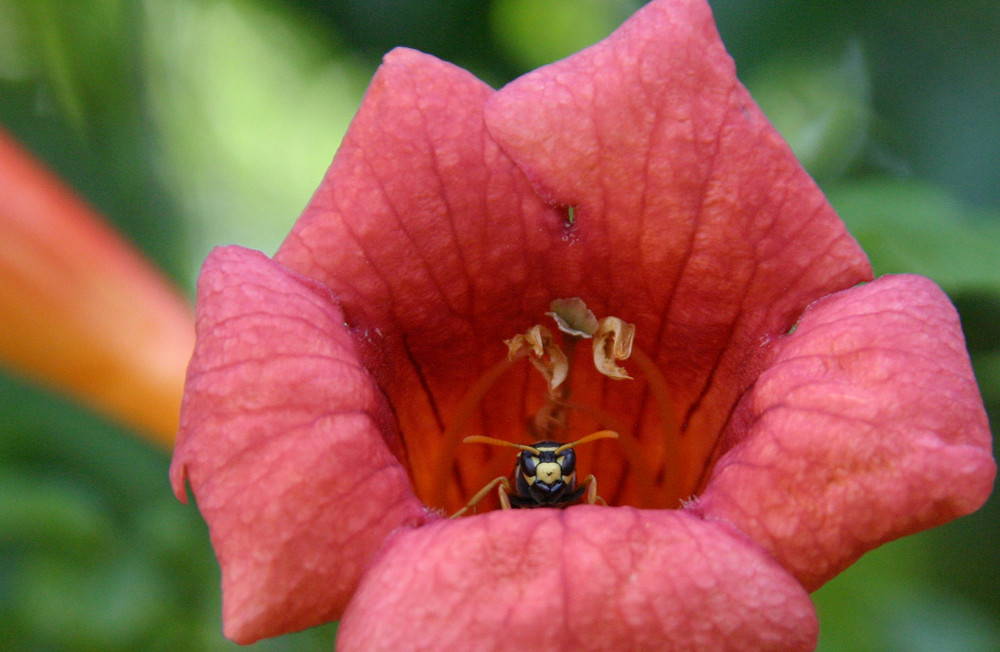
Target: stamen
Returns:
[573, 317]
[613, 341]
[612, 336]
[670, 454]
[638, 463]
[537, 343]
[448, 449]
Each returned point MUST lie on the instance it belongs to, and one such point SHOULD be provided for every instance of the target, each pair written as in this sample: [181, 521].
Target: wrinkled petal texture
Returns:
[867, 426]
[586, 578]
[442, 232]
[281, 440]
[422, 229]
[696, 206]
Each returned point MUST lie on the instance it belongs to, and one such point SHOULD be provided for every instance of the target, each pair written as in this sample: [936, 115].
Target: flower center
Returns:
[639, 469]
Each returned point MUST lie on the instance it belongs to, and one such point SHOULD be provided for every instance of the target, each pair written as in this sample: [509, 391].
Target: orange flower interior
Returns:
[568, 396]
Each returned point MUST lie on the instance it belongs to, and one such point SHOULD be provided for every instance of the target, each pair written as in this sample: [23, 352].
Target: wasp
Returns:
[544, 475]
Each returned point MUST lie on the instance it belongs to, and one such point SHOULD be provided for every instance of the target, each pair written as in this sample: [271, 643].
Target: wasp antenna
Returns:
[481, 439]
[600, 434]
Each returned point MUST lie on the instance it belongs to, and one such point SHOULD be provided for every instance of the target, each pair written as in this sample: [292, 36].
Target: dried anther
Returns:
[548, 358]
[612, 336]
[612, 342]
[573, 317]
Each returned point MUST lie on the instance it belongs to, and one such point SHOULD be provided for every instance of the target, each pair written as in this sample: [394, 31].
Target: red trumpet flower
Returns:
[785, 414]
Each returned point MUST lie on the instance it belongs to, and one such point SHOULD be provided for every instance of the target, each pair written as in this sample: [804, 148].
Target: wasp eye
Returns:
[568, 462]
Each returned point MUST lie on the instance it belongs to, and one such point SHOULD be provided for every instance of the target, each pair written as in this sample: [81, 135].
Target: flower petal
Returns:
[587, 578]
[425, 232]
[688, 203]
[282, 440]
[867, 426]
[695, 222]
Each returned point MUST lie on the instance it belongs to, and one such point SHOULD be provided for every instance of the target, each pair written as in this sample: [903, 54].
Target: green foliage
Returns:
[96, 553]
[536, 32]
[909, 226]
[820, 104]
[248, 114]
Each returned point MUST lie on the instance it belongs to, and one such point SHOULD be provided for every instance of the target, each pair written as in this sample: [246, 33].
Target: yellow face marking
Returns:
[530, 479]
[548, 472]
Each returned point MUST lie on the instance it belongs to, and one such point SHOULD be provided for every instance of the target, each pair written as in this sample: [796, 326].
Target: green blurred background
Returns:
[192, 123]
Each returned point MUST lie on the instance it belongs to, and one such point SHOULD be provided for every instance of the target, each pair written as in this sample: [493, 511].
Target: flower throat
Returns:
[556, 485]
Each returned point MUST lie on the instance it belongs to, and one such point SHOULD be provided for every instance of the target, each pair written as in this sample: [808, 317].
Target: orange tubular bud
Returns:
[81, 310]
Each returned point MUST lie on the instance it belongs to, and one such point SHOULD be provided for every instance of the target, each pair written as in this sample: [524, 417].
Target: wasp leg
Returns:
[504, 489]
[502, 492]
[592, 497]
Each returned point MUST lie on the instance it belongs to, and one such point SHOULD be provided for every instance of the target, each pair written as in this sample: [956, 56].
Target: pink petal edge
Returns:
[587, 578]
[867, 426]
[282, 442]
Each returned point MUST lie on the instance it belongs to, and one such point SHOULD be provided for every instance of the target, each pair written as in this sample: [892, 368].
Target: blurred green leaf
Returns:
[92, 606]
[251, 103]
[43, 512]
[537, 32]
[78, 47]
[95, 552]
[70, 93]
[908, 226]
[820, 104]
[16, 58]
[988, 373]
[889, 602]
